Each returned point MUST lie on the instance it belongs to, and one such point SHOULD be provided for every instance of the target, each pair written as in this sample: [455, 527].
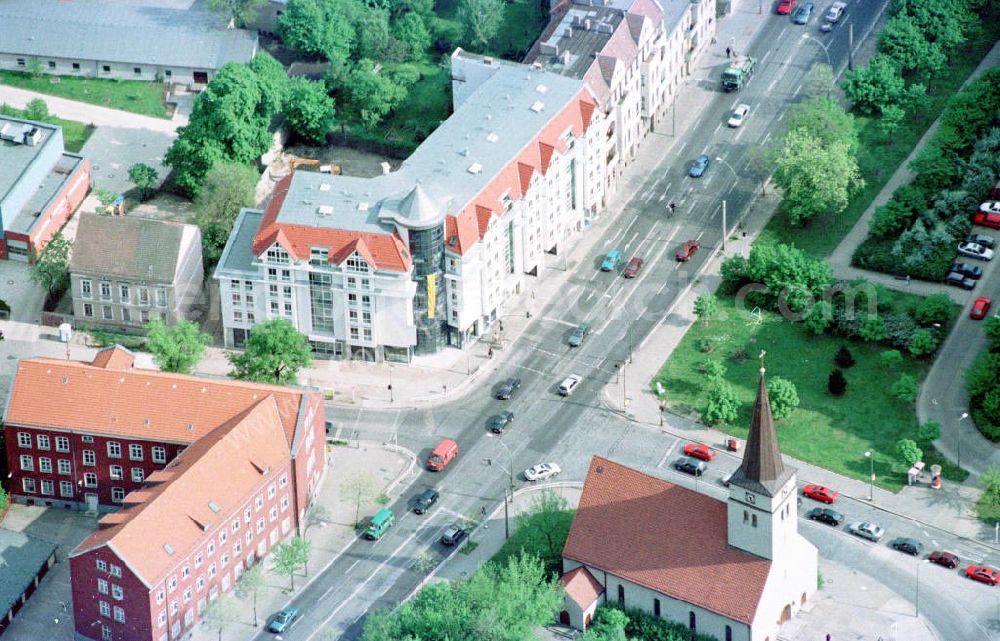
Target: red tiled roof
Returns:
[581, 586]
[648, 8]
[545, 154]
[587, 111]
[184, 499]
[666, 538]
[483, 215]
[115, 357]
[463, 229]
[138, 403]
[524, 172]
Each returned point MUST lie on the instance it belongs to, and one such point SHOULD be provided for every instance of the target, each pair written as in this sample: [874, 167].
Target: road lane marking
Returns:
[764, 59]
[558, 320]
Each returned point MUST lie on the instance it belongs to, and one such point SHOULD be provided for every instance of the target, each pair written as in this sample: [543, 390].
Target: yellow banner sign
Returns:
[431, 295]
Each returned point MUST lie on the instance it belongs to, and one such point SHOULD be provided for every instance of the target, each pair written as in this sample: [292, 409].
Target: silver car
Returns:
[866, 530]
[974, 250]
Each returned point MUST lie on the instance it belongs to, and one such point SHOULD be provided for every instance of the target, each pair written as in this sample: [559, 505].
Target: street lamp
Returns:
[825, 47]
[958, 436]
[871, 478]
[390, 384]
[725, 228]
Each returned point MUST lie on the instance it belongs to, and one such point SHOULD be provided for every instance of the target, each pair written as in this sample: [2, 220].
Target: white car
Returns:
[739, 115]
[835, 12]
[569, 384]
[990, 207]
[973, 250]
[866, 530]
[542, 471]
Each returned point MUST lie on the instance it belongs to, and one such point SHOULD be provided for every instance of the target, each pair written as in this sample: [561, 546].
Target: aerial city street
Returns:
[499, 320]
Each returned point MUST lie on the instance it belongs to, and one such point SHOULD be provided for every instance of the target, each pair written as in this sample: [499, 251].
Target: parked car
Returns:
[508, 388]
[580, 333]
[569, 384]
[973, 250]
[452, 534]
[687, 250]
[981, 239]
[739, 115]
[803, 13]
[820, 493]
[907, 545]
[958, 280]
[946, 559]
[980, 307]
[700, 451]
[611, 260]
[986, 220]
[699, 166]
[785, 7]
[990, 207]
[826, 515]
[983, 574]
[425, 500]
[500, 422]
[633, 267]
[866, 530]
[690, 466]
[542, 471]
[281, 620]
[826, 27]
[968, 270]
[835, 12]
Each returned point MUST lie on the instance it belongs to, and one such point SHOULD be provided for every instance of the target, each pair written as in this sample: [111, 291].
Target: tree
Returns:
[905, 388]
[272, 80]
[928, 432]
[36, 109]
[373, 95]
[923, 343]
[844, 359]
[783, 396]
[144, 177]
[50, 269]
[250, 584]
[220, 613]
[228, 187]
[177, 348]
[991, 327]
[836, 383]
[991, 480]
[241, 12]
[319, 27]
[274, 353]
[713, 370]
[723, 404]
[826, 121]
[4, 499]
[608, 625]
[541, 530]
[891, 120]
[308, 110]
[908, 452]
[936, 308]
[706, 307]
[872, 328]
[288, 558]
[817, 179]
[906, 44]
[820, 81]
[878, 85]
[303, 551]
[411, 30]
[481, 20]
[363, 487]
[820, 317]
[761, 162]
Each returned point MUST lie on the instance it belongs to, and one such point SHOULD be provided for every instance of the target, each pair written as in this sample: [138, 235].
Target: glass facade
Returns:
[321, 296]
[427, 251]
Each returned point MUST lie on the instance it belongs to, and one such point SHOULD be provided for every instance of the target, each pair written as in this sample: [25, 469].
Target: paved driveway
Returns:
[112, 150]
[24, 297]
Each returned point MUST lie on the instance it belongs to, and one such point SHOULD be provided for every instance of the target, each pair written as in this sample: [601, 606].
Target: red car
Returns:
[980, 307]
[820, 493]
[687, 250]
[699, 450]
[986, 220]
[785, 7]
[983, 574]
[633, 267]
[946, 559]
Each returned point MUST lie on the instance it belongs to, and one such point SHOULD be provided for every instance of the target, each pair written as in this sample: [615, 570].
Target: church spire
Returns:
[762, 469]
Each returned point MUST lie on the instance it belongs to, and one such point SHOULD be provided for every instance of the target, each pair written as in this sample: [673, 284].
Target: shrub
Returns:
[836, 383]
[705, 345]
[928, 432]
[935, 308]
[923, 343]
[844, 359]
[908, 452]
[905, 388]
[712, 369]
[899, 329]
[872, 328]
[739, 355]
[783, 396]
[891, 359]
[819, 317]
[723, 404]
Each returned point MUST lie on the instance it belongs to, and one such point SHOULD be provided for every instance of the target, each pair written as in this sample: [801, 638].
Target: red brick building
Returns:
[158, 446]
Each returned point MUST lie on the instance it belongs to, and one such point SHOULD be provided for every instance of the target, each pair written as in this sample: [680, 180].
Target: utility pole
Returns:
[725, 231]
[850, 46]
[673, 114]
[506, 515]
[624, 400]
[630, 342]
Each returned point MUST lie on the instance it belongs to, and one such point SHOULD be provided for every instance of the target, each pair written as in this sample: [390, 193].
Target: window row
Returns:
[124, 293]
[108, 314]
[75, 66]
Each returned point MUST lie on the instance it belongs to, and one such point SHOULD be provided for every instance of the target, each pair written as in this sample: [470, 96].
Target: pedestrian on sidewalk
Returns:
[728, 52]
[489, 353]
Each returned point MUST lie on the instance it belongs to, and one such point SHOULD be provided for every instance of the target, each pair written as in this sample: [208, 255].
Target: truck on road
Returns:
[738, 73]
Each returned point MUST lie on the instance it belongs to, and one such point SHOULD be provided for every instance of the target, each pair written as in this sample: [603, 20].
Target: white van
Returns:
[569, 385]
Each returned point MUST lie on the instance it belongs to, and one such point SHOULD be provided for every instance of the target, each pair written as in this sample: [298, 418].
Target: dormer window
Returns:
[506, 202]
[277, 255]
[356, 263]
[319, 256]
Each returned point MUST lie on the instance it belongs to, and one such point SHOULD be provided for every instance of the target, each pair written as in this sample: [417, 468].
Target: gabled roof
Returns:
[762, 470]
[102, 398]
[167, 518]
[114, 357]
[582, 587]
[130, 247]
[461, 232]
[664, 537]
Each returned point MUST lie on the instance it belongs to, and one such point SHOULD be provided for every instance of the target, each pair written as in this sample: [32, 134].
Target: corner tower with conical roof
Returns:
[762, 506]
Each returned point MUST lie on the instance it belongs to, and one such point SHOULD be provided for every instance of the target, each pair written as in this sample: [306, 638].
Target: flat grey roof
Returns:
[238, 253]
[579, 48]
[487, 132]
[121, 32]
[21, 557]
[15, 157]
[48, 188]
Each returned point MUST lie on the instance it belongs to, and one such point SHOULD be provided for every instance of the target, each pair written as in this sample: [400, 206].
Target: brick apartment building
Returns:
[155, 447]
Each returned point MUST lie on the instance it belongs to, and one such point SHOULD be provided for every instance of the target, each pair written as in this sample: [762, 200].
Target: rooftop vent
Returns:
[324, 187]
[325, 210]
[146, 422]
[386, 168]
[465, 151]
[65, 380]
[541, 89]
[362, 206]
[538, 106]
[169, 549]
[536, 65]
[475, 168]
[212, 505]
[492, 137]
[190, 427]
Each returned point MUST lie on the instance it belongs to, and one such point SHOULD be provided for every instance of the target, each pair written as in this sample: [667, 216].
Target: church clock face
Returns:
[751, 499]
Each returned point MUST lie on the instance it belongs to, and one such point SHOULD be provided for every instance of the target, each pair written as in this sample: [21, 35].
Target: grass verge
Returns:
[137, 96]
[75, 134]
[824, 430]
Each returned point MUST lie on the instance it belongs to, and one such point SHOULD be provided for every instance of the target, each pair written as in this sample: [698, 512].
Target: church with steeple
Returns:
[733, 569]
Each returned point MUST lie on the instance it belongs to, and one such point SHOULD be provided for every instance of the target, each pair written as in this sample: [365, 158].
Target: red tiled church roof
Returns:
[666, 538]
[581, 586]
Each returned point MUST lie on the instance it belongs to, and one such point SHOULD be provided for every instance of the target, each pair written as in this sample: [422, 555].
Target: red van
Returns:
[442, 455]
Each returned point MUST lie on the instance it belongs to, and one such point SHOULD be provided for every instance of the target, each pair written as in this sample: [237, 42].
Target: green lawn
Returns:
[879, 160]
[831, 432]
[75, 134]
[137, 96]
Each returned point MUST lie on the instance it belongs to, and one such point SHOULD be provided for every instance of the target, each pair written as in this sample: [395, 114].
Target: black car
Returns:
[955, 279]
[508, 388]
[981, 239]
[974, 272]
[826, 515]
[452, 535]
[908, 545]
[690, 466]
[500, 422]
[423, 501]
